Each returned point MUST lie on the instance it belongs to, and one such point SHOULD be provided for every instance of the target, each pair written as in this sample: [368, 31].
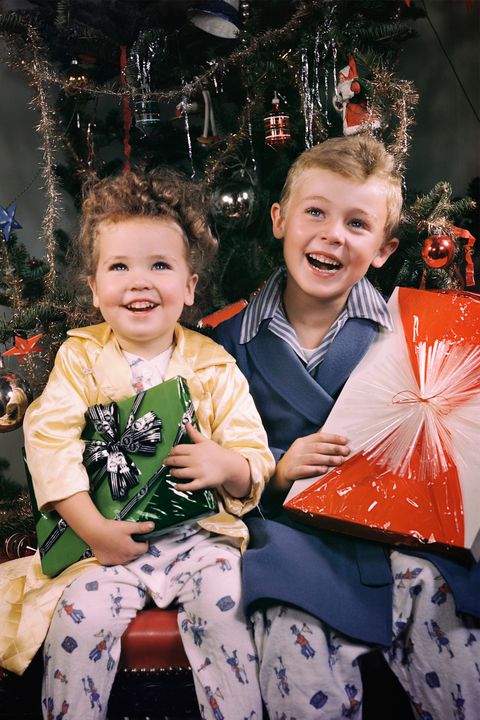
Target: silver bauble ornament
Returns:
[233, 202]
[15, 397]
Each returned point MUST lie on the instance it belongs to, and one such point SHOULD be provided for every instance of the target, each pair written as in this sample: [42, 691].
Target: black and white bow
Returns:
[139, 437]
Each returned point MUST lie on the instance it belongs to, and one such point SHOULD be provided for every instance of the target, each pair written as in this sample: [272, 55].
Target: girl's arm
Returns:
[242, 453]
[205, 464]
[110, 540]
[53, 426]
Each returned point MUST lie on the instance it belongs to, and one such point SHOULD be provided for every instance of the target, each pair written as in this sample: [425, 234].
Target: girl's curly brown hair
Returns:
[161, 193]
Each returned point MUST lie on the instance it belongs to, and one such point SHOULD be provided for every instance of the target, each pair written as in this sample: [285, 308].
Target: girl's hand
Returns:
[309, 457]
[110, 540]
[113, 543]
[205, 464]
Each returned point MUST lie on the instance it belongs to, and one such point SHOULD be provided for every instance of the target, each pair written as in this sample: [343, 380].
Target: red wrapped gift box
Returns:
[411, 411]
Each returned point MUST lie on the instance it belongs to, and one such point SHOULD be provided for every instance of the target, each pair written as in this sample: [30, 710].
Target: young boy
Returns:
[319, 600]
[143, 242]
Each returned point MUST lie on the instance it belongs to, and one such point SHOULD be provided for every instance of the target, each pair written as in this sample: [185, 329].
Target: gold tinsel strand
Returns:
[43, 73]
[13, 284]
[401, 99]
[36, 71]
[16, 516]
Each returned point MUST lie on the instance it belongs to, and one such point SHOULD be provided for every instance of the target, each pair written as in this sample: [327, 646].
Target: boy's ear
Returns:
[93, 288]
[387, 249]
[278, 221]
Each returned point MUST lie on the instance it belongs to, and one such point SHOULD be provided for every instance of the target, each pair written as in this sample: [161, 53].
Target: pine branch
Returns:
[14, 23]
[384, 33]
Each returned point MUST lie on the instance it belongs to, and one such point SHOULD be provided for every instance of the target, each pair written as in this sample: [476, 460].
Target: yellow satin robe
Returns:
[90, 368]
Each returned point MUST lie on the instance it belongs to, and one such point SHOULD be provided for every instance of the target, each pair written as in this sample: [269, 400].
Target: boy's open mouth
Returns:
[323, 262]
[141, 306]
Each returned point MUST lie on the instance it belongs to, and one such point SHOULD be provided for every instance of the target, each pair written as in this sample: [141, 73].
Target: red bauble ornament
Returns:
[277, 125]
[438, 251]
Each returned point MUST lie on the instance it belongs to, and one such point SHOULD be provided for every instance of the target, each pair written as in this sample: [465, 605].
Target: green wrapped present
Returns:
[125, 445]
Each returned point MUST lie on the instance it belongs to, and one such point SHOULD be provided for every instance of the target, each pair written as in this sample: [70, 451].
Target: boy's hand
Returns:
[113, 544]
[309, 457]
[205, 464]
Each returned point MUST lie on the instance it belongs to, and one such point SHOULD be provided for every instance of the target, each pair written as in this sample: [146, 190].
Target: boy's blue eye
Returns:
[160, 265]
[118, 266]
[359, 224]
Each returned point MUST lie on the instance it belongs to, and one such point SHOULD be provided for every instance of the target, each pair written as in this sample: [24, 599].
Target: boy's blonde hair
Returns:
[160, 194]
[358, 158]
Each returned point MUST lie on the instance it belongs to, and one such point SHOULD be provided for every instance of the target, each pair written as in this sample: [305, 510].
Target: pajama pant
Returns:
[310, 672]
[199, 571]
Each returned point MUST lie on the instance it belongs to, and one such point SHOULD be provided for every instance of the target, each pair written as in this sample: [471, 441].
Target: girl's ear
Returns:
[93, 287]
[189, 297]
[278, 221]
[387, 249]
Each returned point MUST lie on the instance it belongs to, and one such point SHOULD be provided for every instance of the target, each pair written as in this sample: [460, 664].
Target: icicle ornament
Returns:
[146, 108]
[307, 100]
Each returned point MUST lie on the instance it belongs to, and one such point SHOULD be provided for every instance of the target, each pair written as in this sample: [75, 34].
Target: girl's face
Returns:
[142, 281]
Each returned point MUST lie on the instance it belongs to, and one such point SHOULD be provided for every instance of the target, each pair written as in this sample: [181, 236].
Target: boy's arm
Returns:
[308, 457]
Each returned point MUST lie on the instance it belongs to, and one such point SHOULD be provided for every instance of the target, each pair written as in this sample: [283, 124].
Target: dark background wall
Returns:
[446, 136]
[445, 139]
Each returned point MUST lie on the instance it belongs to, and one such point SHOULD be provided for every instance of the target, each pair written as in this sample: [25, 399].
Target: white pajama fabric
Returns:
[310, 672]
[200, 572]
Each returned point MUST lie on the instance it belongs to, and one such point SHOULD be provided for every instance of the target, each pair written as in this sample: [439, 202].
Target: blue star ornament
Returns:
[7, 220]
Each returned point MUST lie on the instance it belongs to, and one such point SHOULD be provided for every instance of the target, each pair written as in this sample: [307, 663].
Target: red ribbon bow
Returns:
[469, 270]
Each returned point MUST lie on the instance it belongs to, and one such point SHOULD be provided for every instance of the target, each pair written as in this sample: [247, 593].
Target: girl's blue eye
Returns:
[315, 212]
[160, 265]
[118, 266]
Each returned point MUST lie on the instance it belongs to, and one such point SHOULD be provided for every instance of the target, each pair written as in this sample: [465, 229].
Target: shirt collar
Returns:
[364, 301]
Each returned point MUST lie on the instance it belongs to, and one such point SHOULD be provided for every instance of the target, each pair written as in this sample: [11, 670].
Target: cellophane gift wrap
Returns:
[411, 413]
[125, 445]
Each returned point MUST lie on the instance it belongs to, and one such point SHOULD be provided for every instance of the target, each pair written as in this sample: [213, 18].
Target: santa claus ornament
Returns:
[351, 102]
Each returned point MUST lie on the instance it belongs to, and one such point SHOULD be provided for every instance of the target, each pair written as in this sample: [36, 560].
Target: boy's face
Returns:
[333, 231]
[142, 281]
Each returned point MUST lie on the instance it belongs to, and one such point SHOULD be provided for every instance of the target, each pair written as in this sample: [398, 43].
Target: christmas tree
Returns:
[228, 96]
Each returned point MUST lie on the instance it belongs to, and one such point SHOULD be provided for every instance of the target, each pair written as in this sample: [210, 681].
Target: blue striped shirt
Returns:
[364, 301]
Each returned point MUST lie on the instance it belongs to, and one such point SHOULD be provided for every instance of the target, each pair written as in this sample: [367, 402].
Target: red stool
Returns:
[152, 641]
[154, 679]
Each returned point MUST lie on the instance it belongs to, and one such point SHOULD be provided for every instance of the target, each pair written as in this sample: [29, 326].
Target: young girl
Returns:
[144, 242]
